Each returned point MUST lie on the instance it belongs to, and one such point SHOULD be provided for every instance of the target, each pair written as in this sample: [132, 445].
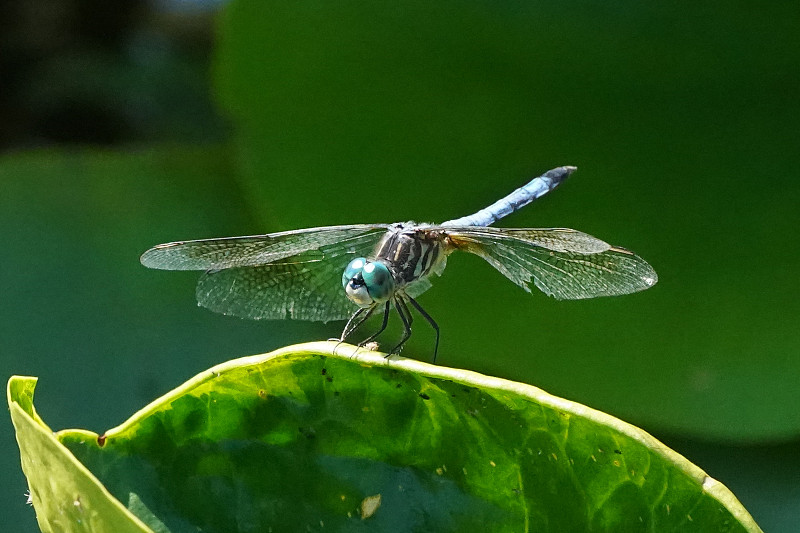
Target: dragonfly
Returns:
[349, 272]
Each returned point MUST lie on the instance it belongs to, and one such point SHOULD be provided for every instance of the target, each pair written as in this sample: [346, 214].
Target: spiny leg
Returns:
[405, 316]
[431, 321]
[383, 326]
[350, 327]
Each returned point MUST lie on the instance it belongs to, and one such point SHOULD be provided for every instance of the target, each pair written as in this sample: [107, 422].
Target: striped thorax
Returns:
[411, 252]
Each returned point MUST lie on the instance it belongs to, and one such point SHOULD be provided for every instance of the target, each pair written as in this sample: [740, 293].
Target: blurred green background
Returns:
[127, 124]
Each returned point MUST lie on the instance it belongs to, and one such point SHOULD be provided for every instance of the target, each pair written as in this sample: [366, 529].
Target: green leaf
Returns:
[67, 497]
[322, 436]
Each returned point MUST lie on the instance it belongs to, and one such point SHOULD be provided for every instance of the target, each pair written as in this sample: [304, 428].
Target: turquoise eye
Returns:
[352, 270]
[367, 282]
[378, 280]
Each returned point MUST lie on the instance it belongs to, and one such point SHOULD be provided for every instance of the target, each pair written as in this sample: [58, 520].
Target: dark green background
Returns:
[681, 118]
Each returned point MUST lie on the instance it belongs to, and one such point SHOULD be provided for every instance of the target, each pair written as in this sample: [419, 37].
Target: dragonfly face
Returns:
[296, 274]
[367, 283]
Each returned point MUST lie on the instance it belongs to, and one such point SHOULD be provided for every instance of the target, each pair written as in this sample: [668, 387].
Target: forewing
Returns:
[255, 250]
[563, 263]
[305, 286]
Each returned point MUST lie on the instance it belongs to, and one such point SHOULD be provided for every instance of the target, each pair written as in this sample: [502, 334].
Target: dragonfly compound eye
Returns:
[354, 285]
[352, 270]
[367, 282]
[379, 281]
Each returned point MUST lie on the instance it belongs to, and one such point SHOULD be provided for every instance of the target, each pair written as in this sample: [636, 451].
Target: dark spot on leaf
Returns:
[101, 440]
[618, 452]
[324, 371]
[336, 393]
[262, 394]
[398, 385]
[424, 396]
[328, 379]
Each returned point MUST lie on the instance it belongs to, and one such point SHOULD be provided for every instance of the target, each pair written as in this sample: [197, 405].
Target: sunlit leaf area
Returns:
[329, 436]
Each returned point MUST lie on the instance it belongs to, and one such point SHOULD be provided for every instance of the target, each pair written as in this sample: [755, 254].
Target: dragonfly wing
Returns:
[305, 286]
[563, 263]
[418, 287]
[255, 250]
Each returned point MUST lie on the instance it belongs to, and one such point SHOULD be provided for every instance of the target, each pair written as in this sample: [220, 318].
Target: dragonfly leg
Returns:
[405, 316]
[380, 330]
[431, 321]
[355, 321]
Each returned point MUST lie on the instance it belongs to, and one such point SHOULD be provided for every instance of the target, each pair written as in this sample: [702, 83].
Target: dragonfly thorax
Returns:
[367, 282]
[412, 252]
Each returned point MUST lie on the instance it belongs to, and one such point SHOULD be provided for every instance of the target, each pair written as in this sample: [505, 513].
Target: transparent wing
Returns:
[563, 263]
[296, 274]
[252, 250]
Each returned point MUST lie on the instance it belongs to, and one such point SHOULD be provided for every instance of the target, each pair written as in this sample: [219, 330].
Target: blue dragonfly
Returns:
[349, 272]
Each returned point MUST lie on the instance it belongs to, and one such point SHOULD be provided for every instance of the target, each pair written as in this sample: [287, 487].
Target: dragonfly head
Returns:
[367, 282]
